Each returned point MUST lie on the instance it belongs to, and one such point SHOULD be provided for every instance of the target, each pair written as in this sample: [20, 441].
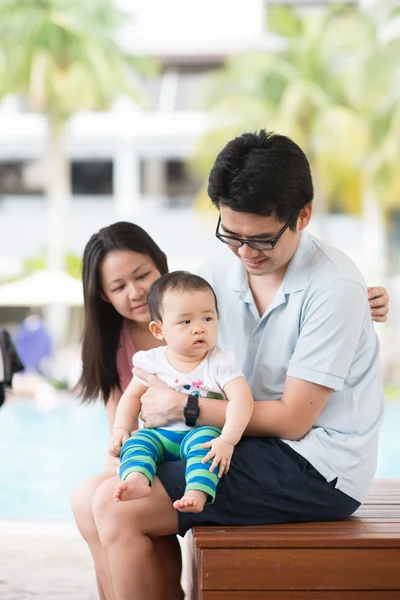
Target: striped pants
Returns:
[148, 448]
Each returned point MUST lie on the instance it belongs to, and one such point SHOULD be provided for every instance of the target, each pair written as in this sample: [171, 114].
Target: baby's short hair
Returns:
[177, 280]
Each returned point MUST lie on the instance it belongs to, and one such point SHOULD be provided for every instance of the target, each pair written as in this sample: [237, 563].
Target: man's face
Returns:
[249, 226]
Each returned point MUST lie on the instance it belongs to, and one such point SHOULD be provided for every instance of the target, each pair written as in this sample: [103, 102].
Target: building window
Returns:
[92, 178]
[181, 186]
[21, 178]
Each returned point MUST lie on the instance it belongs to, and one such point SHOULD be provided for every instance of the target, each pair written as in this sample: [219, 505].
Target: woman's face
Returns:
[126, 277]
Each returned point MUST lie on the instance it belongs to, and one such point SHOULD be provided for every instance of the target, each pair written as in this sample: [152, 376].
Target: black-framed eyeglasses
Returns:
[236, 242]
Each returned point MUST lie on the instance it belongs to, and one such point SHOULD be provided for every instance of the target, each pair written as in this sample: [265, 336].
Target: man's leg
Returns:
[126, 530]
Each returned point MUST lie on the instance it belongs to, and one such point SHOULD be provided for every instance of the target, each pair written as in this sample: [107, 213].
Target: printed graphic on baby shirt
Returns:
[199, 389]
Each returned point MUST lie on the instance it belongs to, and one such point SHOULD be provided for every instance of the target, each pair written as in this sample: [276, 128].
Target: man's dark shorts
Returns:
[268, 482]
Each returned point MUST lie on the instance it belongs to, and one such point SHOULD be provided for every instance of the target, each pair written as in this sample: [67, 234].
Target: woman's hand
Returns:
[161, 405]
[378, 303]
[221, 453]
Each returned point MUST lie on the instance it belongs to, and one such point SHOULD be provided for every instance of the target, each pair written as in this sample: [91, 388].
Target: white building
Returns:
[130, 160]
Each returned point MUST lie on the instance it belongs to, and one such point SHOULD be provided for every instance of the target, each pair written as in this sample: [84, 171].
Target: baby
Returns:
[184, 313]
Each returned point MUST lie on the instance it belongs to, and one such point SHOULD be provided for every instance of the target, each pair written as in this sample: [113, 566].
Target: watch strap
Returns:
[191, 410]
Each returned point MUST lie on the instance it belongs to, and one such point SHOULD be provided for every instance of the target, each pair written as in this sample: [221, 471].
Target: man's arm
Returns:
[331, 328]
[289, 418]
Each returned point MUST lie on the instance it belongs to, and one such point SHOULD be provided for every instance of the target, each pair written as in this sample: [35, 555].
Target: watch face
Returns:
[192, 412]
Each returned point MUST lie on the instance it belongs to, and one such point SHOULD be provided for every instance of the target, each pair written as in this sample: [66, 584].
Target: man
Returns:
[296, 314]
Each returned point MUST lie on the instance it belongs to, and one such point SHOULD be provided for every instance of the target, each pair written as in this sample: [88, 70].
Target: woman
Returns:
[120, 264]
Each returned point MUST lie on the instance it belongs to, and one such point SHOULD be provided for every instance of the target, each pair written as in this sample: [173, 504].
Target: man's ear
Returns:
[156, 330]
[304, 217]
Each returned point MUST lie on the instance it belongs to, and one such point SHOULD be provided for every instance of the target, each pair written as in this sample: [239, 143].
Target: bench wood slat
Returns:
[354, 559]
[289, 569]
[297, 595]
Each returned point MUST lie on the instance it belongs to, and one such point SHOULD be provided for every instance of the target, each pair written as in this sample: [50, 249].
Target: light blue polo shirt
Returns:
[318, 328]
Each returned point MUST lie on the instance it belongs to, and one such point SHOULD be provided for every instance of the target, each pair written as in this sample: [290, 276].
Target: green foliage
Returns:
[73, 264]
[333, 87]
[64, 55]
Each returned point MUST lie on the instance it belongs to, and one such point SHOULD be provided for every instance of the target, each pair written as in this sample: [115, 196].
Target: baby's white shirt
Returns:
[217, 369]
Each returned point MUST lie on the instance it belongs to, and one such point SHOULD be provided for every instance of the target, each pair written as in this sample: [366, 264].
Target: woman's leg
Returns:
[81, 503]
[125, 529]
[169, 556]
[167, 548]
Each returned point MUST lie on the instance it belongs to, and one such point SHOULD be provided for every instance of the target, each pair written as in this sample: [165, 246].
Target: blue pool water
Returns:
[44, 455]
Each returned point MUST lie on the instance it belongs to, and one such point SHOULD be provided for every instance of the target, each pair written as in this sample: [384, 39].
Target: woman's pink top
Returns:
[126, 350]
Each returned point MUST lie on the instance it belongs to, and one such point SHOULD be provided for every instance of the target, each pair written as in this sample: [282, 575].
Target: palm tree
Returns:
[325, 88]
[62, 55]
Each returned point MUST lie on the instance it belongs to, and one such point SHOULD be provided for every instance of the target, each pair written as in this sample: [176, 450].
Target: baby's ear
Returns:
[156, 330]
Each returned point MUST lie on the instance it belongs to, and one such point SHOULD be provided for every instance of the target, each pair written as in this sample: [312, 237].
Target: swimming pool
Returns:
[44, 455]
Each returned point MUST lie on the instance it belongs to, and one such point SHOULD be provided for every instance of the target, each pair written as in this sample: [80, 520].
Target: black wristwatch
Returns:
[191, 411]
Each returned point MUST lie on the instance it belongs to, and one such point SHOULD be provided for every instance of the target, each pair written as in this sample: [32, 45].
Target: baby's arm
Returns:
[238, 411]
[238, 414]
[128, 410]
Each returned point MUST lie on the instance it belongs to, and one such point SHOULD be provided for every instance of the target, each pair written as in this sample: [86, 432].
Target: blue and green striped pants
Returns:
[147, 448]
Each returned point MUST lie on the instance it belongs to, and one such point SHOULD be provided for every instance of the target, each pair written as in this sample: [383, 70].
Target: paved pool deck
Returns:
[44, 560]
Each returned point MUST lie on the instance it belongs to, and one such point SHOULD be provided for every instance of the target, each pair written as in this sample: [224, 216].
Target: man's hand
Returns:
[119, 436]
[221, 453]
[379, 303]
[161, 405]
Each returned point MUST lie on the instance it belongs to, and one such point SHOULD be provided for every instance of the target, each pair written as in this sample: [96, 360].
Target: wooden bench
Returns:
[355, 559]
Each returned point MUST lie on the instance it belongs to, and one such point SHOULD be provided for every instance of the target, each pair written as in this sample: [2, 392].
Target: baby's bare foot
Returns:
[135, 486]
[192, 501]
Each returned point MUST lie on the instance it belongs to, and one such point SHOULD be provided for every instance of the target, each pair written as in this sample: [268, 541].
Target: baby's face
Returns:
[190, 322]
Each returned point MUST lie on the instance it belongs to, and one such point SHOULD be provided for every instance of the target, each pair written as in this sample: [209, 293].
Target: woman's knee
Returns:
[110, 517]
[81, 504]
[118, 522]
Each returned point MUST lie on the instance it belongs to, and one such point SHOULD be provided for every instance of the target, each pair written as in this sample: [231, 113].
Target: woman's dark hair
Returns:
[102, 324]
[262, 173]
[177, 280]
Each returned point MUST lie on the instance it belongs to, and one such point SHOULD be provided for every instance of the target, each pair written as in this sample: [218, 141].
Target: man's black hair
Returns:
[262, 173]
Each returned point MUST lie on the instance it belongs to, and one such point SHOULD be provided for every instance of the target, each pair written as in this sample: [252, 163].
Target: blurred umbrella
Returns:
[43, 288]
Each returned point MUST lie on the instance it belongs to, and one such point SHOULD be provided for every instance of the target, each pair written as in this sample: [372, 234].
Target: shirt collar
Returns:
[298, 271]
[296, 276]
